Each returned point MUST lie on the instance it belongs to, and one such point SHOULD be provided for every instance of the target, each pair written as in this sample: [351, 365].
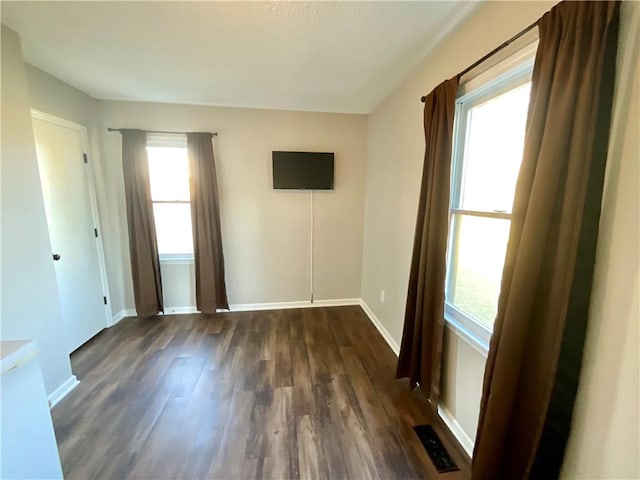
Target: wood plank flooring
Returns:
[304, 393]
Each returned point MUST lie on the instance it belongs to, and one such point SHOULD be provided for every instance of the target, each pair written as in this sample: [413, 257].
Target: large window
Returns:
[488, 144]
[169, 178]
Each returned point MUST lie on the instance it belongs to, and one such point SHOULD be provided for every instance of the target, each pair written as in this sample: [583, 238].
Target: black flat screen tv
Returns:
[302, 170]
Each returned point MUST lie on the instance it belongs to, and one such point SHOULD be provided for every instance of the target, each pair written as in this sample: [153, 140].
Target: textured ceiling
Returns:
[317, 56]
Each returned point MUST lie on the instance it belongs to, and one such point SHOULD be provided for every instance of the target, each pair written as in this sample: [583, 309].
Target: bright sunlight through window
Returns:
[489, 142]
[169, 178]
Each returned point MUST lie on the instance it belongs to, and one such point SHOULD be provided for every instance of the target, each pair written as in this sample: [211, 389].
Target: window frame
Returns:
[170, 140]
[493, 85]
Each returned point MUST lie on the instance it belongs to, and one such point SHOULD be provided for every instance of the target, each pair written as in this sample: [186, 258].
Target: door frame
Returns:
[89, 178]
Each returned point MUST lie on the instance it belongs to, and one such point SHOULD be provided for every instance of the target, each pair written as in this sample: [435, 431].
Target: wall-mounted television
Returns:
[302, 170]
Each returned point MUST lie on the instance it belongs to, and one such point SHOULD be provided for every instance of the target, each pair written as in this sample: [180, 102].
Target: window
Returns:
[488, 144]
[169, 179]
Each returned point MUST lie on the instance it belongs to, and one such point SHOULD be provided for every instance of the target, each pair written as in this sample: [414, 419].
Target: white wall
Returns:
[53, 96]
[30, 306]
[604, 442]
[395, 153]
[50, 95]
[463, 370]
[266, 233]
[605, 439]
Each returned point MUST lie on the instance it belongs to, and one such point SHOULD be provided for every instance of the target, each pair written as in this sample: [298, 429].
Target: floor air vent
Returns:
[436, 451]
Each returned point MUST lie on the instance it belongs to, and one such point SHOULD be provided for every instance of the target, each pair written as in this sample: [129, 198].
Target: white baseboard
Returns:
[248, 307]
[445, 414]
[340, 302]
[180, 310]
[130, 312]
[456, 429]
[378, 324]
[63, 390]
[122, 314]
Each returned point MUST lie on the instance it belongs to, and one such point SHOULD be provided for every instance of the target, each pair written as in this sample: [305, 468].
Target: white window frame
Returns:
[173, 141]
[508, 75]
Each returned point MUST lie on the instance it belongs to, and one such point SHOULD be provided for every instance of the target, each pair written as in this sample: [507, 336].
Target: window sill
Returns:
[467, 334]
[176, 259]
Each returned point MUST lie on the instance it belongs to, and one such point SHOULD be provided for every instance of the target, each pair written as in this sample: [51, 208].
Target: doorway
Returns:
[67, 180]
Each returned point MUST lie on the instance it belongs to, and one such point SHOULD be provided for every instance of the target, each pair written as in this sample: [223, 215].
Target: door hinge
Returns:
[105, 300]
[95, 232]
[84, 157]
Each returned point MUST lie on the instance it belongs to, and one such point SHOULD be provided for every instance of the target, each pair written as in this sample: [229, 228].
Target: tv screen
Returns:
[302, 171]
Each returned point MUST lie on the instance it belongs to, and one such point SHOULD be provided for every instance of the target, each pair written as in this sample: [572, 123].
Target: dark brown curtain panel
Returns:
[143, 247]
[533, 367]
[211, 291]
[421, 347]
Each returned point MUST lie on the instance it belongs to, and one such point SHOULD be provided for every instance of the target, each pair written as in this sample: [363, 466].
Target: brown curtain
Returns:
[421, 347]
[143, 247]
[211, 291]
[535, 355]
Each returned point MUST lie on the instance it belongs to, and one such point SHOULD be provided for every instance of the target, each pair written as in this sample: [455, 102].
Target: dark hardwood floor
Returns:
[305, 393]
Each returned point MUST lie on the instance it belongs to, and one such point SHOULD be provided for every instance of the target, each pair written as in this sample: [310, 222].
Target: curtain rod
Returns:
[493, 52]
[215, 134]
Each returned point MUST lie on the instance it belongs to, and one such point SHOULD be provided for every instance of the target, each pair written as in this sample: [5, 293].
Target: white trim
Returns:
[179, 310]
[340, 302]
[102, 263]
[509, 73]
[459, 330]
[474, 332]
[248, 307]
[523, 55]
[122, 314]
[166, 140]
[465, 441]
[47, 117]
[93, 201]
[63, 390]
[16, 353]
[457, 431]
[380, 327]
[177, 258]
[480, 213]
[446, 416]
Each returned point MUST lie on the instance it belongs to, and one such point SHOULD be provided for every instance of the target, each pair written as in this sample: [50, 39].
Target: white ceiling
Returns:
[316, 56]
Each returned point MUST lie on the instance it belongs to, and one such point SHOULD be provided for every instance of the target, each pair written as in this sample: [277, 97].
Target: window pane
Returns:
[168, 173]
[173, 227]
[493, 151]
[477, 257]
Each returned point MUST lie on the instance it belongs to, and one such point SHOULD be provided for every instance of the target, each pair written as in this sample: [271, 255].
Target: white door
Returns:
[69, 200]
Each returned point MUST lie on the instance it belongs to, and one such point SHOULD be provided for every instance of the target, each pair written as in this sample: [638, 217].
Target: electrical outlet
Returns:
[382, 296]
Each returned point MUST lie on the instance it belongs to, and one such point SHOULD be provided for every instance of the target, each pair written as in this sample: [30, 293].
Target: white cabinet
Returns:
[28, 444]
